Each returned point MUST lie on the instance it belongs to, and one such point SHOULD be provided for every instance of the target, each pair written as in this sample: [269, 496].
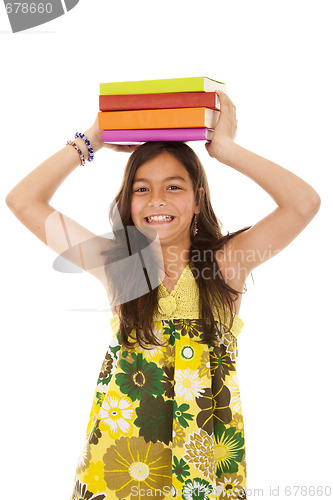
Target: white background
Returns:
[276, 59]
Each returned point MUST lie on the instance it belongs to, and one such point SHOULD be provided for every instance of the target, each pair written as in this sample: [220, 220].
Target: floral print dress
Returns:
[167, 422]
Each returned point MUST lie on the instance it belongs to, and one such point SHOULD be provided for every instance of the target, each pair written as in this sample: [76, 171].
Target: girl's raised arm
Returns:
[297, 202]
[29, 202]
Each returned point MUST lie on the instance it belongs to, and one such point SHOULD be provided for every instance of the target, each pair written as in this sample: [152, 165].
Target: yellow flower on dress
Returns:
[237, 422]
[117, 415]
[132, 464]
[188, 353]
[167, 305]
[95, 476]
[178, 434]
[93, 415]
[168, 358]
[204, 367]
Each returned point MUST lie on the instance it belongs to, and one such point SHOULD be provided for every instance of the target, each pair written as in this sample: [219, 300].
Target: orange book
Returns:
[158, 118]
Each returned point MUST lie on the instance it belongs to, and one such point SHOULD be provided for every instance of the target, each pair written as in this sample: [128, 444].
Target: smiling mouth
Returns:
[161, 221]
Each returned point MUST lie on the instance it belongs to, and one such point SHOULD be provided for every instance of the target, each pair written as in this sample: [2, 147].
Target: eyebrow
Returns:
[176, 177]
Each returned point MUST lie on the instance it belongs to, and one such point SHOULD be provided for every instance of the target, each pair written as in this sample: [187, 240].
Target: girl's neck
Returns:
[175, 259]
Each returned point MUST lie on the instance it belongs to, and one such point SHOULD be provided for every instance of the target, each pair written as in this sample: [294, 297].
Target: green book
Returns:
[191, 84]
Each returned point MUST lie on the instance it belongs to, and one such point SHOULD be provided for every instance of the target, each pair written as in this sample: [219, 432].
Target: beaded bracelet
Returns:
[89, 146]
[83, 161]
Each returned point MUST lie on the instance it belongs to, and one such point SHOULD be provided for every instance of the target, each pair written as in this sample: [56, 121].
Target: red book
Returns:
[159, 101]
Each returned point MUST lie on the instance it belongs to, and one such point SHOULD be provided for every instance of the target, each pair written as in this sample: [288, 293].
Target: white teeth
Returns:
[160, 218]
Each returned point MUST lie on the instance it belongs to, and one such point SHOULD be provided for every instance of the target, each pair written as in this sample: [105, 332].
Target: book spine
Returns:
[192, 84]
[159, 101]
[157, 118]
[190, 134]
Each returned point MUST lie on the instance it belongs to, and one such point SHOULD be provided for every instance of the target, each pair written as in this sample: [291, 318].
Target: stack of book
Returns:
[175, 109]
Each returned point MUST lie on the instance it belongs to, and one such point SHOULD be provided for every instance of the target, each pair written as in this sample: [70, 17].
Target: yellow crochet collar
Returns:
[182, 302]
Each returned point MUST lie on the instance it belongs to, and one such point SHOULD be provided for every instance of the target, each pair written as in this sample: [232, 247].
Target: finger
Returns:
[207, 146]
[129, 148]
[222, 97]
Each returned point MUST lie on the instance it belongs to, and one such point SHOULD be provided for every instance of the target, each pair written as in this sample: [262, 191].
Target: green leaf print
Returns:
[180, 468]
[197, 489]
[100, 398]
[172, 332]
[105, 381]
[139, 377]
[180, 414]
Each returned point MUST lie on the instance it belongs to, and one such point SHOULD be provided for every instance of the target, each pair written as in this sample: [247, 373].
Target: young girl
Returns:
[164, 421]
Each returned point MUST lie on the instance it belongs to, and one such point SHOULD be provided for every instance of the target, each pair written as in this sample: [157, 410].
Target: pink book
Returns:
[165, 134]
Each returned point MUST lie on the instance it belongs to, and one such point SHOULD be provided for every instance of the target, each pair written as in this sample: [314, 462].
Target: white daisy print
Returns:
[235, 401]
[188, 384]
[117, 415]
[151, 353]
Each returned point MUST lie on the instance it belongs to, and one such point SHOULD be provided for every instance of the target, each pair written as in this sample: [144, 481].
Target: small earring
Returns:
[195, 225]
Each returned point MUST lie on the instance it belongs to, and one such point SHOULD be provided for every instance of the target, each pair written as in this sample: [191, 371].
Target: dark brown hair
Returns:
[213, 289]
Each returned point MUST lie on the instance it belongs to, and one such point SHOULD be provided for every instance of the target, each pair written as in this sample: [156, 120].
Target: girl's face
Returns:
[155, 192]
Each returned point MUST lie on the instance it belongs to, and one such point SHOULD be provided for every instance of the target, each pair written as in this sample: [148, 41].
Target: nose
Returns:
[156, 200]
[156, 203]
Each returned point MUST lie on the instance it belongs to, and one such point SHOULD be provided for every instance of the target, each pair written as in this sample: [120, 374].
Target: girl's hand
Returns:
[225, 129]
[95, 137]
